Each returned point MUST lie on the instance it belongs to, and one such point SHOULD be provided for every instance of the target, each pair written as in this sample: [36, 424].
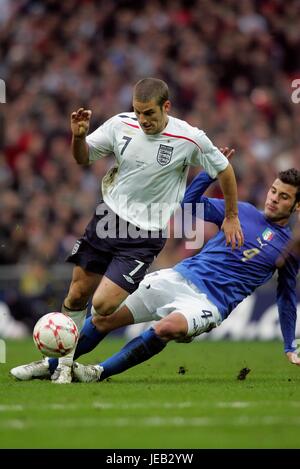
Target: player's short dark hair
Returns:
[291, 177]
[151, 88]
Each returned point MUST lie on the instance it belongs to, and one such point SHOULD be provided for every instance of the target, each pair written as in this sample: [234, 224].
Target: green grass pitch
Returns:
[156, 406]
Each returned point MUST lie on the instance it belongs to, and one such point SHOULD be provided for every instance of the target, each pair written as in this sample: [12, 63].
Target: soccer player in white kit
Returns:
[153, 152]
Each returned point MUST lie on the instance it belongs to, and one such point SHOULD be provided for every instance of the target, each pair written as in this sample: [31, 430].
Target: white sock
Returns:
[79, 318]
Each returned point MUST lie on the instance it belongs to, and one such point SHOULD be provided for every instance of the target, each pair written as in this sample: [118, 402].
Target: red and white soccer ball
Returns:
[55, 334]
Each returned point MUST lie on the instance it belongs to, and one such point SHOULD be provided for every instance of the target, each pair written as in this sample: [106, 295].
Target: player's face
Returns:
[152, 118]
[280, 202]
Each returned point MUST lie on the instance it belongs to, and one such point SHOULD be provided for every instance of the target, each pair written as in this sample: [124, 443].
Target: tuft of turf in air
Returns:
[188, 396]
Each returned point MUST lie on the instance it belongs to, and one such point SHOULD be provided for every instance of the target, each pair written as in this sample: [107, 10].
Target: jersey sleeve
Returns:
[214, 209]
[287, 302]
[100, 142]
[208, 155]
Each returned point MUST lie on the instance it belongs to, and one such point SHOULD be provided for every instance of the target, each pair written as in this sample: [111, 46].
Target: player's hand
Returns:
[293, 358]
[233, 231]
[80, 122]
[228, 152]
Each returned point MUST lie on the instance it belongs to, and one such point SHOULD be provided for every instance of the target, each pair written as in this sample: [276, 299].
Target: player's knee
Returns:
[169, 329]
[103, 307]
[101, 323]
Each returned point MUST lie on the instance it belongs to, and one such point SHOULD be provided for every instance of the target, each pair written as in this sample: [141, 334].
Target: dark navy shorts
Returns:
[113, 247]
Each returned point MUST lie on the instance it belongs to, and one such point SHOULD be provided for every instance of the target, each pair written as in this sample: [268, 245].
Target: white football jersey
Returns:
[149, 178]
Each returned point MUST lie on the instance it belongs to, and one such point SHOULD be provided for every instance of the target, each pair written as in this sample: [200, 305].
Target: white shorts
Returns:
[163, 292]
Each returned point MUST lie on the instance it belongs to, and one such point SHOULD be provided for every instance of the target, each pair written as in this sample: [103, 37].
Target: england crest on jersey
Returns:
[164, 154]
[268, 234]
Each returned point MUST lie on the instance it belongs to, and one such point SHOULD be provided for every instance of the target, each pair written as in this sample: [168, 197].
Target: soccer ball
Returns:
[55, 334]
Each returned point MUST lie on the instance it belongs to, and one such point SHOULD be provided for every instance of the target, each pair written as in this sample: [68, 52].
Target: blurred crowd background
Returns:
[229, 65]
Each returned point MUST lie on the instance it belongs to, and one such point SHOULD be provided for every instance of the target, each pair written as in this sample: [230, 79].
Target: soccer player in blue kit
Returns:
[199, 293]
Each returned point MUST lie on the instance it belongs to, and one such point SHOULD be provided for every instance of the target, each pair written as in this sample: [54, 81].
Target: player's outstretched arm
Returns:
[231, 224]
[293, 247]
[295, 244]
[80, 122]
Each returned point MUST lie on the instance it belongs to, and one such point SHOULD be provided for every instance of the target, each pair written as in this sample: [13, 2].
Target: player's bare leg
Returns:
[82, 286]
[120, 318]
[106, 300]
[149, 343]
[95, 327]
[107, 297]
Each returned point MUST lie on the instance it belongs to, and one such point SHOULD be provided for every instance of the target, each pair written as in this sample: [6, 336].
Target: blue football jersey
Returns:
[227, 276]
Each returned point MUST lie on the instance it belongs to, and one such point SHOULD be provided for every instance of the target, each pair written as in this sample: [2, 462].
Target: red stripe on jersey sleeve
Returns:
[185, 138]
[131, 125]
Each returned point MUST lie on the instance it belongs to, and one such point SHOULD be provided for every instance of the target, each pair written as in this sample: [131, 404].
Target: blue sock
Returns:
[53, 362]
[88, 339]
[136, 351]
